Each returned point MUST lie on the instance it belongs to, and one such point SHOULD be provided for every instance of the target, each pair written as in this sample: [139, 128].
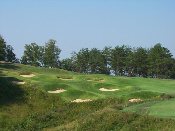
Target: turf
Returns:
[78, 86]
[47, 79]
[31, 107]
[163, 109]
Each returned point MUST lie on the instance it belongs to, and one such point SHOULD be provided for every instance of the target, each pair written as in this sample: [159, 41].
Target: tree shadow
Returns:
[8, 66]
[10, 93]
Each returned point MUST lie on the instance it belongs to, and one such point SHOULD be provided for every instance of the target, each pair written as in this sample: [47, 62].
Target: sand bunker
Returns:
[18, 82]
[57, 91]
[81, 100]
[4, 62]
[31, 75]
[134, 100]
[90, 80]
[103, 89]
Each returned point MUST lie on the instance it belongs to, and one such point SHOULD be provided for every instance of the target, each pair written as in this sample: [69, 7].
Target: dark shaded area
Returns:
[8, 66]
[9, 92]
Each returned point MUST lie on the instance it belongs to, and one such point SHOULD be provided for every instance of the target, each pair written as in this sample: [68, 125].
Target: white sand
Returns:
[103, 89]
[81, 100]
[31, 75]
[134, 100]
[90, 80]
[57, 91]
[18, 82]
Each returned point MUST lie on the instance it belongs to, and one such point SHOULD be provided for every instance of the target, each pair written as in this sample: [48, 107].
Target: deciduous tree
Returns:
[32, 55]
[10, 56]
[51, 54]
[2, 49]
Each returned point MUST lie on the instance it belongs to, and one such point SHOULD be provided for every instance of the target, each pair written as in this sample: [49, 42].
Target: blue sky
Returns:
[77, 24]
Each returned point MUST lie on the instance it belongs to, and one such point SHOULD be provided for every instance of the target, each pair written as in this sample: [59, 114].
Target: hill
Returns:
[28, 100]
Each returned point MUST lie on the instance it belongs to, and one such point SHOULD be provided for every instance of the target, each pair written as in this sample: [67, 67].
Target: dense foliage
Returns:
[47, 56]
[6, 52]
[156, 62]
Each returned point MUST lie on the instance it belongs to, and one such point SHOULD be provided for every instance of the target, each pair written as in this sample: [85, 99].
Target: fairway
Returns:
[82, 86]
[163, 109]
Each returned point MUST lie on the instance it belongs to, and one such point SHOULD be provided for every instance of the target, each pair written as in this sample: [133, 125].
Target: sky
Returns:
[77, 24]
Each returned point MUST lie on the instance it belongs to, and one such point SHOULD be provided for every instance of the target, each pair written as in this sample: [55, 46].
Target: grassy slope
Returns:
[46, 79]
[34, 108]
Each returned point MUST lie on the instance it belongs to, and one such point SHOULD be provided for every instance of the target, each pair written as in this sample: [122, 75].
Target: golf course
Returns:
[38, 98]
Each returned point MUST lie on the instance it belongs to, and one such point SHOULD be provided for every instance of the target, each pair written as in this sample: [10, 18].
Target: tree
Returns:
[51, 54]
[137, 62]
[2, 49]
[74, 61]
[141, 60]
[33, 55]
[96, 61]
[172, 66]
[24, 60]
[83, 61]
[10, 56]
[118, 59]
[66, 64]
[160, 60]
[106, 54]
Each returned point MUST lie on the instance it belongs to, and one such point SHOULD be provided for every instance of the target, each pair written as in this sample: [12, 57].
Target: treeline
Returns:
[156, 62]
[6, 52]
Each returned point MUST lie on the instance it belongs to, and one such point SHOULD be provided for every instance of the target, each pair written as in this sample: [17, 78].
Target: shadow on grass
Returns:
[10, 93]
[8, 66]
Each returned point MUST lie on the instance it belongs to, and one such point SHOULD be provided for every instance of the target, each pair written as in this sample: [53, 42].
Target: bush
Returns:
[166, 96]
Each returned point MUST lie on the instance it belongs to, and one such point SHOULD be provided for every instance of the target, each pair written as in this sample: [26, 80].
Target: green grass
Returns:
[31, 107]
[65, 77]
[163, 108]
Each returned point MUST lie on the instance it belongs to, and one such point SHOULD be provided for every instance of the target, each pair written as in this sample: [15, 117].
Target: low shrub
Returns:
[25, 72]
[144, 94]
[166, 96]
